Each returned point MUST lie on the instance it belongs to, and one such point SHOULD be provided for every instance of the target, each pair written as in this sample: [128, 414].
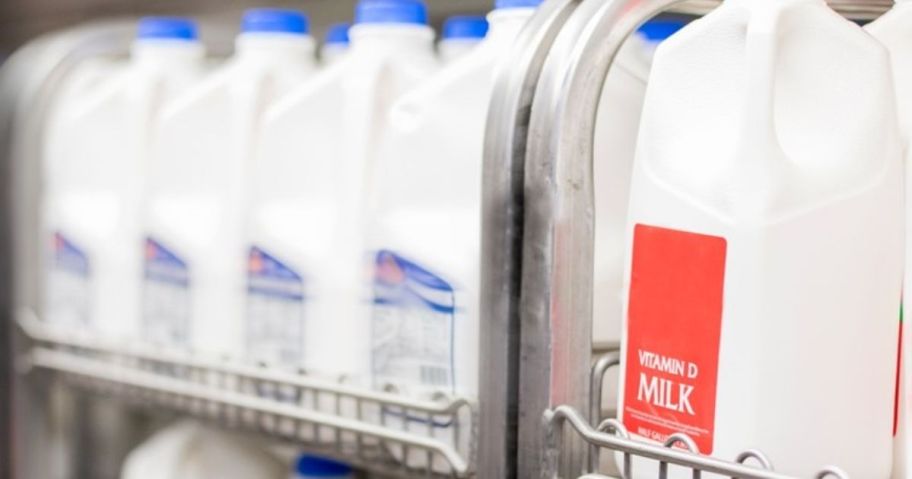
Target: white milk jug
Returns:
[335, 43]
[307, 300]
[766, 241]
[894, 30]
[96, 162]
[461, 34]
[424, 237]
[195, 251]
[189, 451]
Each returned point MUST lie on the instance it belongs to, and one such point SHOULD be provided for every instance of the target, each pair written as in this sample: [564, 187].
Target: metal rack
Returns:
[358, 426]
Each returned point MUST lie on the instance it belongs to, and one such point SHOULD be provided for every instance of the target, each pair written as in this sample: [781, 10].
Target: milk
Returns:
[194, 224]
[307, 304]
[335, 43]
[424, 238]
[96, 163]
[461, 34]
[187, 450]
[765, 241]
[893, 30]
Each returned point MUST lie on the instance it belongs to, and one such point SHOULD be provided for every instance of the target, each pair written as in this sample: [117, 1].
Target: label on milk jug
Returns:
[412, 325]
[275, 310]
[166, 296]
[674, 322]
[68, 284]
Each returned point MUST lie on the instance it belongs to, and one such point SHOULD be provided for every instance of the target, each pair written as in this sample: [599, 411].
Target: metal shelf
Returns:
[679, 450]
[381, 432]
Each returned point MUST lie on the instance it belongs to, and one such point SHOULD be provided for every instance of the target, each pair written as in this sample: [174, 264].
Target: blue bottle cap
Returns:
[658, 30]
[465, 27]
[517, 3]
[275, 20]
[338, 34]
[315, 466]
[166, 28]
[413, 12]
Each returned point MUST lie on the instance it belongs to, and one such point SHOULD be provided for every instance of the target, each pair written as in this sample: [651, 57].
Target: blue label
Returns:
[166, 296]
[412, 325]
[69, 257]
[163, 265]
[275, 310]
[68, 289]
[267, 276]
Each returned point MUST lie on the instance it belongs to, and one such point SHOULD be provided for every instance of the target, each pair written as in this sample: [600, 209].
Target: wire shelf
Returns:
[678, 450]
[376, 431]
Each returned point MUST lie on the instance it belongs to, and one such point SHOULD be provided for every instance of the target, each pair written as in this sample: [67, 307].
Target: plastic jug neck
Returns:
[158, 53]
[392, 37]
[274, 47]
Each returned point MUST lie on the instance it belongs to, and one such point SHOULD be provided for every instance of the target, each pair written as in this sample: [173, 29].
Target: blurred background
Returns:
[21, 20]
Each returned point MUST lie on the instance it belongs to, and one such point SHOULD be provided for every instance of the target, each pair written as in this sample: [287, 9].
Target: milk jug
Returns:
[894, 30]
[461, 33]
[307, 303]
[765, 240]
[187, 450]
[335, 43]
[195, 255]
[424, 237]
[96, 162]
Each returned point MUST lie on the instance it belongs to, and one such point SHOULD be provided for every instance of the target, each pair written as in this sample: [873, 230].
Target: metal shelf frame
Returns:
[358, 426]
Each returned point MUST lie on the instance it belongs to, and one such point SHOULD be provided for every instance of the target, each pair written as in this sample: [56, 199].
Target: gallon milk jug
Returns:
[96, 162]
[307, 301]
[766, 242]
[194, 251]
[894, 30]
[425, 232]
[189, 451]
[335, 43]
[316, 467]
[461, 33]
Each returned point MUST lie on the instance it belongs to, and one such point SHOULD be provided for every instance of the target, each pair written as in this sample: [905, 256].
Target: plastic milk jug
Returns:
[424, 236]
[894, 30]
[307, 303]
[336, 43]
[195, 257]
[461, 33]
[188, 451]
[765, 240]
[96, 162]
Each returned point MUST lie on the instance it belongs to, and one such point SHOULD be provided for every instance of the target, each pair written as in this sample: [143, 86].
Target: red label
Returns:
[674, 322]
